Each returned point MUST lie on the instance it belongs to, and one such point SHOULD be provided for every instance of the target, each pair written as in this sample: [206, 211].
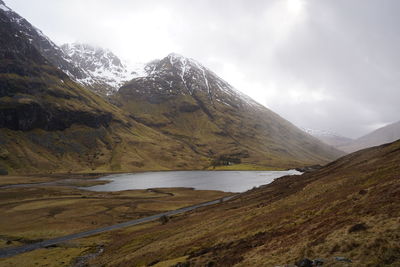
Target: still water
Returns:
[228, 181]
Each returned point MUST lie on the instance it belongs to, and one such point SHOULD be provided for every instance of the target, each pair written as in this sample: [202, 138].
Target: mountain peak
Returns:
[84, 47]
[104, 67]
[176, 59]
[174, 55]
[179, 75]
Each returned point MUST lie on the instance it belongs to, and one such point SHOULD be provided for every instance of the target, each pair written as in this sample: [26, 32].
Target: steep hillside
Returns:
[102, 83]
[348, 210]
[330, 138]
[185, 100]
[383, 135]
[108, 71]
[43, 44]
[50, 123]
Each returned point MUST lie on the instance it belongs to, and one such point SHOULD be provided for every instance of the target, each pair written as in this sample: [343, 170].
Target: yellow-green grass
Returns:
[10, 180]
[47, 212]
[66, 254]
[60, 256]
[252, 136]
[171, 262]
[42, 212]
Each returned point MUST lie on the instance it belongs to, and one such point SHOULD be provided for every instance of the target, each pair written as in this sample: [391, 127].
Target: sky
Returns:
[322, 64]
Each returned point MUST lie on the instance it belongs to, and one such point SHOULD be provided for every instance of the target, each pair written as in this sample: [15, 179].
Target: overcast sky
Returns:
[322, 64]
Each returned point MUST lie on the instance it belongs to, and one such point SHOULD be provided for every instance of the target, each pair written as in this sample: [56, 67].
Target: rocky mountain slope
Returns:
[43, 44]
[347, 211]
[330, 138]
[49, 123]
[108, 72]
[183, 99]
[102, 71]
[383, 135]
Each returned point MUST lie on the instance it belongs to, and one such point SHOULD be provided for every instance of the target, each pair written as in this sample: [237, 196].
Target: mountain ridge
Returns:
[59, 58]
[334, 139]
[43, 43]
[386, 134]
[181, 97]
[108, 72]
[179, 115]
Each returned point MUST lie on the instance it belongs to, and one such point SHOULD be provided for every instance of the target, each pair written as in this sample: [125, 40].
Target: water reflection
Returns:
[228, 181]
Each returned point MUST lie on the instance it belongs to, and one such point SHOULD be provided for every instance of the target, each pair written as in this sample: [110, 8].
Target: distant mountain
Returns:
[108, 73]
[380, 136]
[330, 138]
[183, 99]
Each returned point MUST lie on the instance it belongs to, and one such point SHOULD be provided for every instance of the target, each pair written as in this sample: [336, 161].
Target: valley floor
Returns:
[346, 211]
[36, 208]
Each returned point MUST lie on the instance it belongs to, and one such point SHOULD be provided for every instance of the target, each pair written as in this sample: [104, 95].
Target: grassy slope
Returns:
[294, 217]
[255, 135]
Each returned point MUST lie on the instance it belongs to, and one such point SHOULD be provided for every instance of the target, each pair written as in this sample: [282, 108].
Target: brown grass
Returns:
[292, 218]
[31, 214]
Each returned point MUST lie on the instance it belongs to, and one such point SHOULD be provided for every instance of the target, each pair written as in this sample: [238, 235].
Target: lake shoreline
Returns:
[249, 167]
[226, 181]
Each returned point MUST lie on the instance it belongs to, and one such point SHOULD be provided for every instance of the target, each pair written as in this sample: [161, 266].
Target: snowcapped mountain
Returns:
[107, 73]
[50, 123]
[95, 68]
[183, 99]
[328, 137]
[176, 74]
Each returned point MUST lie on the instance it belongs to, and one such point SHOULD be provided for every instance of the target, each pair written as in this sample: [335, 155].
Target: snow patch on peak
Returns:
[181, 63]
[176, 57]
[102, 65]
[194, 76]
[4, 7]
